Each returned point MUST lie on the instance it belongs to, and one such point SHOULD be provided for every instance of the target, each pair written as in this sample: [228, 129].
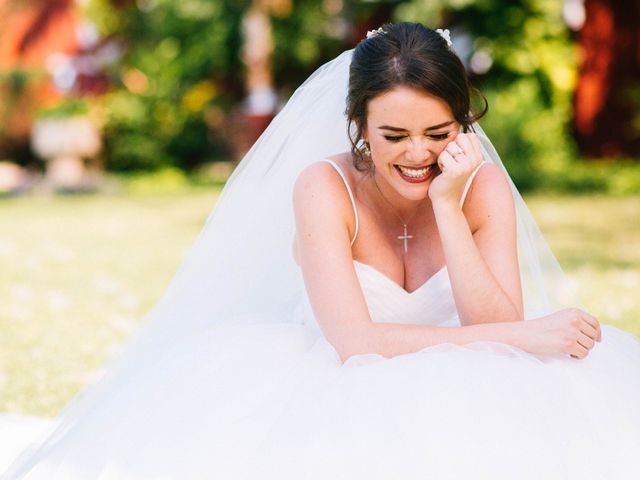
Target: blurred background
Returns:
[120, 121]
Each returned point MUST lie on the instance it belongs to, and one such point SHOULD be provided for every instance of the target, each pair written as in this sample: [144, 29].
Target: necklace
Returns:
[405, 237]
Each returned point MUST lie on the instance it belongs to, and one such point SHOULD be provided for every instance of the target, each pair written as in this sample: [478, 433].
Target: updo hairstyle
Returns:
[411, 55]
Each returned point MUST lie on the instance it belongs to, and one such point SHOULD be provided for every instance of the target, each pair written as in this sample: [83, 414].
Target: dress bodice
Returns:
[431, 303]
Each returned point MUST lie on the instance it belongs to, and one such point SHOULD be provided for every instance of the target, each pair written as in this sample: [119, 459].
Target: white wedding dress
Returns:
[274, 402]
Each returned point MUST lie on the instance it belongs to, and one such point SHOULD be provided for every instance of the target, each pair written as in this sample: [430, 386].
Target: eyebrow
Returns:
[399, 129]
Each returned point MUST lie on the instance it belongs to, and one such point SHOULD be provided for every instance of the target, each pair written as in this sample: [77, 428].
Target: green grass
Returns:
[597, 241]
[79, 272]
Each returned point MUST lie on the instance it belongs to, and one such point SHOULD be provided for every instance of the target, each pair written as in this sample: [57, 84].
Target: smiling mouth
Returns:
[416, 174]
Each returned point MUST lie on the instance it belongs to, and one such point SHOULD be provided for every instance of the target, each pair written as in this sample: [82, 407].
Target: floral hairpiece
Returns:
[446, 34]
[375, 33]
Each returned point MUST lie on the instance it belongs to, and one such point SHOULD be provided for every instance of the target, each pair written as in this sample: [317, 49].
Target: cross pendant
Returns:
[405, 237]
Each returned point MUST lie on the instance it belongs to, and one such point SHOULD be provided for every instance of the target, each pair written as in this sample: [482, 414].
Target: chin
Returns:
[415, 191]
[417, 195]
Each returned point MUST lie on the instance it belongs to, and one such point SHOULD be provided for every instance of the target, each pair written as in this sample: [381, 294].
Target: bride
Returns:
[389, 342]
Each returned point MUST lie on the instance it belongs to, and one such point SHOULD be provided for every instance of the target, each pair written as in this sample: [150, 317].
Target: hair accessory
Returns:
[446, 34]
[375, 33]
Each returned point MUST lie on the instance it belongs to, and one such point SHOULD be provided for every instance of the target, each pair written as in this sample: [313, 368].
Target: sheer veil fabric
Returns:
[230, 314]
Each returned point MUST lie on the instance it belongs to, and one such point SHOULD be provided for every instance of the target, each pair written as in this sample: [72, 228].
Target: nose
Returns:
[419, 149]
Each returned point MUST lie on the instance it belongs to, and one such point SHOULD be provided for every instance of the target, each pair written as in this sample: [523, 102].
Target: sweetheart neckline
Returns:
[444, 268]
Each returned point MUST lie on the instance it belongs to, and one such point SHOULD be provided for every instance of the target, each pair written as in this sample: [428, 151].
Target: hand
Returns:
[456, 162]
[567, 332]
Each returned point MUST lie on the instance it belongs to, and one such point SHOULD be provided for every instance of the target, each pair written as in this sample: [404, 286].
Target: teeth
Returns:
[414, 172]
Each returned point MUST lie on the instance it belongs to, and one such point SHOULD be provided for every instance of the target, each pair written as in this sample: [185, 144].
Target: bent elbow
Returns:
[348, 354]
[347, 350]
[360, 343]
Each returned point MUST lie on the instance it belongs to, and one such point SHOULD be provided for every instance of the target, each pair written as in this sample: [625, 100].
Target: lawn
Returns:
[79, 272]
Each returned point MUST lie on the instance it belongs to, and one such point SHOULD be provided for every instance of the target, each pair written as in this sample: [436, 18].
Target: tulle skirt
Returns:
[275, 402]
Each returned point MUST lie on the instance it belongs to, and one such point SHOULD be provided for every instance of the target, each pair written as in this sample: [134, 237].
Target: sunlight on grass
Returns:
[597, 241]
[79, 273]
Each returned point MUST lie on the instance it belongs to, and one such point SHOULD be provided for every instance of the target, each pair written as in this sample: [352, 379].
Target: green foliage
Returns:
[179, 59]
[16, 81]
[309, 36]
[19, 99]
[16, 102]
[529, 84]
[167, 180]
[619, 177]
[183, 66]
[68, 108]
[182, 74]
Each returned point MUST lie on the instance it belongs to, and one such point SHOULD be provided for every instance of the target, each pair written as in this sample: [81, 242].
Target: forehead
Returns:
[408, 108]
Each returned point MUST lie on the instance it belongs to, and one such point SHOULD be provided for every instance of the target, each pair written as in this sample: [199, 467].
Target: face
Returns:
[406, 131]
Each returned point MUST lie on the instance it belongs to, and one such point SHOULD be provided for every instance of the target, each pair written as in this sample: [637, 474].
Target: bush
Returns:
[620, 177]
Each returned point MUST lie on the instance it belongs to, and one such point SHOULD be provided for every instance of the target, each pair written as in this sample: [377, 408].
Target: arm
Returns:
[324, 222]
[480, 250]
[479, 245]
[566, 332]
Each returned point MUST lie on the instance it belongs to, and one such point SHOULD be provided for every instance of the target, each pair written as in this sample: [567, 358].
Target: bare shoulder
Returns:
[489, 195]
[320, 198]
[318, 180]
[322, 211]
[320, 183]
[489, 185]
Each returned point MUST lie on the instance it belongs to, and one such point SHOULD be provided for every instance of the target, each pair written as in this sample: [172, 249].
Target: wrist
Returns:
[449, 218]
[445, 206]
[516, 334]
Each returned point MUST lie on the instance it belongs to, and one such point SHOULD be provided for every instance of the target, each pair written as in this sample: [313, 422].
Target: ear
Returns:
[363, 132]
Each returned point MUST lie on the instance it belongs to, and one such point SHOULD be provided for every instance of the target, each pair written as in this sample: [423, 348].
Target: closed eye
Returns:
[439, 136]
[433, 136]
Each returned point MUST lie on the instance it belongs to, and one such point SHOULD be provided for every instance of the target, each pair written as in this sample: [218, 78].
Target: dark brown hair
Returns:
[405, 54]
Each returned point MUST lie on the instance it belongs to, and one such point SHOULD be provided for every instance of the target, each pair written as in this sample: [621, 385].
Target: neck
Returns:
[390, 199]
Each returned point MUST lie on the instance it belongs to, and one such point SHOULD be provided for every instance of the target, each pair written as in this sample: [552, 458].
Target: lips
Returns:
[415, 175]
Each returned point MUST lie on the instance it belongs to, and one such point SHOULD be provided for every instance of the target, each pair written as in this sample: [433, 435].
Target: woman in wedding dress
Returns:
[415, 330]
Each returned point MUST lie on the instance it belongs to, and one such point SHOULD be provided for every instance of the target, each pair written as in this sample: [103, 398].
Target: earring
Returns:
[366, 150]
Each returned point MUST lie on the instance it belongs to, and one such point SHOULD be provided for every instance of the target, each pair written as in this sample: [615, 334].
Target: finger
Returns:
[579, 352]
[586, 341]
[445, 161]
[593, 322]
[475, 141]
[472, 156]
[465, 143]
[454, 150]
[589, 330]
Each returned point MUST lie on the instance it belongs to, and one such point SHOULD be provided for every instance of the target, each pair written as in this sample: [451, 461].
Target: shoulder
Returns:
[489, 195]
[320, 172]
[320, 191]
[322, 209]
[321, 182]
[491, 179]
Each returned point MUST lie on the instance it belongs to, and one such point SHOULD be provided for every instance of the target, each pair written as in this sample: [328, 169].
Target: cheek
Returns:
[381, 145]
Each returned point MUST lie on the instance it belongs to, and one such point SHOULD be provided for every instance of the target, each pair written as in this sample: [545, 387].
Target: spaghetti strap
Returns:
[468, 184]
[353, 202]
